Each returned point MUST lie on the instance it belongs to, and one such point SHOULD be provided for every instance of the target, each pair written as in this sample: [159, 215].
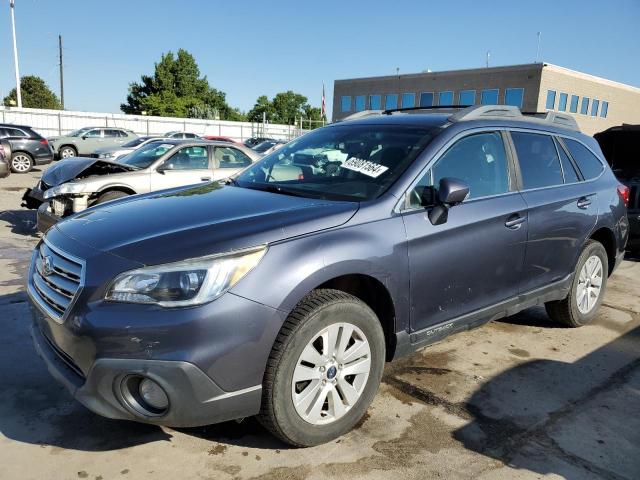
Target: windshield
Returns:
[145, 156]
[349, 162]
[81, 131]
[264, 146]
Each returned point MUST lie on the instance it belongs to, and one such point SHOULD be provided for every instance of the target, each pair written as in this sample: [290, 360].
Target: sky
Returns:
[248, 49]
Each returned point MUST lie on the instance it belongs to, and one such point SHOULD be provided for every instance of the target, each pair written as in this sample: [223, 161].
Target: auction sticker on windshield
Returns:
[365, 167]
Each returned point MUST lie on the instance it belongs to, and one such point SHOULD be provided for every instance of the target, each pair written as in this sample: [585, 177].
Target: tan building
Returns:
[596, 103]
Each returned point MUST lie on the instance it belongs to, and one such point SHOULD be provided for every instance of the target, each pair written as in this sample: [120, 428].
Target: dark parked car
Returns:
[29, 148]
[5, 158]
[282, 293]
[621, 148]
[253, 141]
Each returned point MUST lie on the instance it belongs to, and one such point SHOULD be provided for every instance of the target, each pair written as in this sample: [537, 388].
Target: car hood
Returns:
[196, 221]
[70, 168]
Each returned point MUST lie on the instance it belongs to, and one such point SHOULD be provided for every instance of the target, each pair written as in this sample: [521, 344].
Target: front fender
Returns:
[293, 268]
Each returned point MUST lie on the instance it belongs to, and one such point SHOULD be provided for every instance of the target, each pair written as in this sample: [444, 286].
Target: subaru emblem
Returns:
[47, 266]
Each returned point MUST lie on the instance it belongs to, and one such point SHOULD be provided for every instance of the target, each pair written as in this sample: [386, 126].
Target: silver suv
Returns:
[85, 141]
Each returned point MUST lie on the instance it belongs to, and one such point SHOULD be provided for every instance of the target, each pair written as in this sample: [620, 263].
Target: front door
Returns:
[474, 259]
[187, 166]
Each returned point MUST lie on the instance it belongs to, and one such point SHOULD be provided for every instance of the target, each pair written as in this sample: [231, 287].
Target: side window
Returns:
[570, 175]
[95, 133]
[188, 158]
[479, 160]
[227, 157]
[122, 133]
[108, 133]
[539, 162]
[14, 132]
[587, 162]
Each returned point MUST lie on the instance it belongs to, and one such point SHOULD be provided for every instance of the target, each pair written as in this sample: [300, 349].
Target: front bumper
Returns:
[195, 400]
[45, 219]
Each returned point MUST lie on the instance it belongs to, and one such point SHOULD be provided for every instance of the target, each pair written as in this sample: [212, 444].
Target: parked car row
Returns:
[282, 291]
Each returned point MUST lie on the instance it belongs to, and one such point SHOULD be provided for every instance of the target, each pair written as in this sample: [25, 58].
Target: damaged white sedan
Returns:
[75, 184]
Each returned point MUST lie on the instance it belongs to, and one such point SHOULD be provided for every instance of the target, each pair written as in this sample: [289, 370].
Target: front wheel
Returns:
[21, 162]
[67, 152]
[587, 289]
[324, 369]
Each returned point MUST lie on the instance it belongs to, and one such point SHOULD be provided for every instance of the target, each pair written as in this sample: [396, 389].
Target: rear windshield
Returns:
[341, 162]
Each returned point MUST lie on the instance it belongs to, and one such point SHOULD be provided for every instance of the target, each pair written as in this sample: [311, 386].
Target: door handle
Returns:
[514, 221]
[584, 202]
[205, 179]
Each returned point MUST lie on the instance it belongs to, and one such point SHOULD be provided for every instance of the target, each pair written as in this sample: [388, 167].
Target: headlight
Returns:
[105, 155]
[64, 189]
[180, 284]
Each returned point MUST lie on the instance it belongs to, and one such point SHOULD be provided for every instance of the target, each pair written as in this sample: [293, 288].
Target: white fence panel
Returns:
[50, 123]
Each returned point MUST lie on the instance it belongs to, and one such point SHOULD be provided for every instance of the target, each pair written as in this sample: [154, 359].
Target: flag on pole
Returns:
[324, 108]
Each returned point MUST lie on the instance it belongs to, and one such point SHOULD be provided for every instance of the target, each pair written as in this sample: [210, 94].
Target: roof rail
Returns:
[508, 111]
[362, 114]
[432, 107]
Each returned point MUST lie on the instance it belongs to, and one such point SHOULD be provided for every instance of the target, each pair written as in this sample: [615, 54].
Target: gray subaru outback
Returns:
[283, 292]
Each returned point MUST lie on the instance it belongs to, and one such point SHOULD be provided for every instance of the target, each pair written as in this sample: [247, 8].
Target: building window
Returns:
[467, 97]
[489, 96]
[584, 108]
[426, 99]
[359, 103]
[445, 98]
[573, 108]
[346, 103]
[562, 104]
[408, 100]
[391, 101]
[595, 104]
[551, 99]
[375, 102]
[514, 96]
[604, 110]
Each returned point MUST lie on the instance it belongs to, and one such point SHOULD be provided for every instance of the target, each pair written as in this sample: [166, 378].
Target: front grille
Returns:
[55, 279]
[66, 359]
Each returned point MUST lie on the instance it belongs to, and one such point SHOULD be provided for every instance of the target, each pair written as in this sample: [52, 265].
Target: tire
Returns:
[67, 151]
[573, 311]
[21, 162]
[322, 311]
[112, 195]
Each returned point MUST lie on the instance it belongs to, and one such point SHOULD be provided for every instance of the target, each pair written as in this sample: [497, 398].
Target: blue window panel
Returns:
[584, 108]
[375, 102]
[408, 100]
[359, 103]
[573, 108]
[604, 109]
[489, 96]
[467, 97]
[595, 104]
[445, 98]
[426, 99]
[551, 99]
[562, 104]
[514, 96]
[391, 101]
[346, 103]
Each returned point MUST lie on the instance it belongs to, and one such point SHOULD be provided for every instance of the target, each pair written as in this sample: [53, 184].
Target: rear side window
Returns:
[570, 175]
[14, 132]
[587, 162]
[539, 162]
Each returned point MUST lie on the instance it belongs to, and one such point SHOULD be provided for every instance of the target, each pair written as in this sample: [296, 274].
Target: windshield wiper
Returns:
[278, 189]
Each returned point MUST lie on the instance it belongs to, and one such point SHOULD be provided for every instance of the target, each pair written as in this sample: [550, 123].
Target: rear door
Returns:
[227, 161]
[562, 209]
[91, 141]
[187, 166]
[474, 259]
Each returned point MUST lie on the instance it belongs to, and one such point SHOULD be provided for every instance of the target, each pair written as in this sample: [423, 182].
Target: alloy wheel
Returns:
[331, 374]
[589, 284]
[21, 163]
[67, 152]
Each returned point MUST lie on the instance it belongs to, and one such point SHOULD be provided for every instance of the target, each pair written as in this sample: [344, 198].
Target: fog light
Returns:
[153, 394]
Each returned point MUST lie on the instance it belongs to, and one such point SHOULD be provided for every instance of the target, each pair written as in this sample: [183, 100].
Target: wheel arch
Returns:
[116, 188]
[607, 239]
[70, 145]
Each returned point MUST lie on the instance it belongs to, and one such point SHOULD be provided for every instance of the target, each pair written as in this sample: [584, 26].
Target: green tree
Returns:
[286, 107]
[35, 94]
[176, 89]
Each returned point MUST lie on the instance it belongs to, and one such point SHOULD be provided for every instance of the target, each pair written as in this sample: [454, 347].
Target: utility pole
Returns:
[61, 72]
[15, 54]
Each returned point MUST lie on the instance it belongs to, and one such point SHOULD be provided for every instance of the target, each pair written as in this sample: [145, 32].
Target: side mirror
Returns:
[451, 192]
[161, 169]
[84, 137]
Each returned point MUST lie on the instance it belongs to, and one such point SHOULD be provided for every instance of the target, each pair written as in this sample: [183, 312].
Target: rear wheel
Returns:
[587, 289]
[324, 369]
[67, 151]
[112, 195]
[21, 162]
